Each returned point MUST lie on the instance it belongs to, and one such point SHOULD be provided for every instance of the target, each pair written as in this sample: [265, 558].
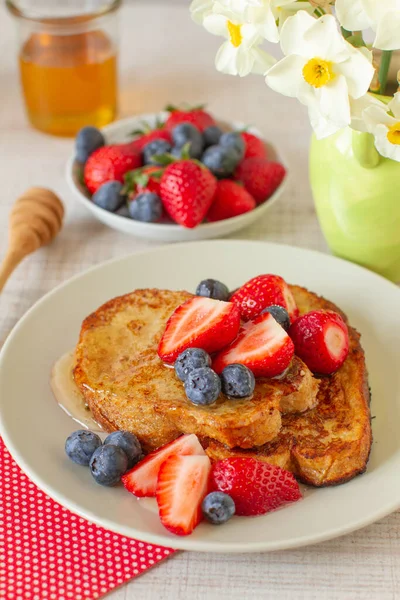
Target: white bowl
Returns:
[120, 132]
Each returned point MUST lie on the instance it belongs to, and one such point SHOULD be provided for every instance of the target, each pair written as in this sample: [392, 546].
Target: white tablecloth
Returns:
[166, 58]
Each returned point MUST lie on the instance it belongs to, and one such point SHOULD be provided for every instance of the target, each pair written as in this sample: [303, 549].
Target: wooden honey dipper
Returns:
[35, 220]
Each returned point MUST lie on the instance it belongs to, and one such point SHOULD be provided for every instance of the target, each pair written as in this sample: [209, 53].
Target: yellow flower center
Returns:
[318, 72]
[235, 34]
[393, 135]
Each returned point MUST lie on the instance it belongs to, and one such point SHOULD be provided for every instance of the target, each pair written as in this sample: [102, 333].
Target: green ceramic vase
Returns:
[357, 198]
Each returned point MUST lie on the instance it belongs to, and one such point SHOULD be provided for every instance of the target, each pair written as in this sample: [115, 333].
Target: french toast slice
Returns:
[331, 443]
[126, 385]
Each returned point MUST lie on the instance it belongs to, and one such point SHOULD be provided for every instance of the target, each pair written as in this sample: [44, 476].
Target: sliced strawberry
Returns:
[261, 292]
[262, 345]
[199, 323]
[321, 339]
[142, 479]
[183, 483]
[256, 487]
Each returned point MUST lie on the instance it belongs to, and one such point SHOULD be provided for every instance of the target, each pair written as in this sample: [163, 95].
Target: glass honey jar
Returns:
[68, 62]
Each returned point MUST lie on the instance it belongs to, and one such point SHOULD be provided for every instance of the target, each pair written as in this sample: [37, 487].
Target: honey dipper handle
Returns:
[11, 260]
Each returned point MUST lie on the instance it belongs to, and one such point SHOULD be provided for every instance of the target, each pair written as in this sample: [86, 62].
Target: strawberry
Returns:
[142, 479]
[262, 345]
[256, 487]
[321, 340]
[110, 163]
[145, 179]
[144, 139]
[260, 177]
[187, 190]
[183, 483]
[230, 200]
[196, 116]
[254, 146]
[263, 291]
[199, 323]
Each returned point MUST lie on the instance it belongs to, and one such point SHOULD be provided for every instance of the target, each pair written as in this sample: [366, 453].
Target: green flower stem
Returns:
[384, 70]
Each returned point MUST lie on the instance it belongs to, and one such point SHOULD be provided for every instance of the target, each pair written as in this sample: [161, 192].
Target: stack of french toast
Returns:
[316, 426]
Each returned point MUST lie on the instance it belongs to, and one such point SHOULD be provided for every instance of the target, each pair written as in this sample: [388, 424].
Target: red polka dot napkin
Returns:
[48, 553]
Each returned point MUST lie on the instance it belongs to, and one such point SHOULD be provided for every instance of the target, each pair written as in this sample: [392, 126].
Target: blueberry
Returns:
[87, 141]
[158, 146]
[129, 444]
[109, 196]
[234, 141]
[190, 359]
[186, 133]
[81, 445]
[203, 386]
[177, 152]
[221, 161]
[146, 207]
[211, 136]
[108, 464]
[212, 288]
[218, 508]
[123, 211]
[280, 315]
[237, 381]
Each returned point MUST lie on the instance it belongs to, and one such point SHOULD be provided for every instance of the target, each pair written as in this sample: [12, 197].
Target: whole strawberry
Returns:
[254, 147]
[147, 135]
[260, 177]
[110, 163]
[260, 293]
[321, 340]
[145, 179]
[230, 200]
[187, 190]
[255, 487]
[196, 116]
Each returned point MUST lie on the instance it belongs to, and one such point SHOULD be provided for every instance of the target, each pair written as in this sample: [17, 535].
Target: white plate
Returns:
[35, 428]
[120, 132]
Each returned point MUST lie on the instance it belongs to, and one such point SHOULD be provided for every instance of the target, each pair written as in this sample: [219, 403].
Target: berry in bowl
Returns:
[175, 176]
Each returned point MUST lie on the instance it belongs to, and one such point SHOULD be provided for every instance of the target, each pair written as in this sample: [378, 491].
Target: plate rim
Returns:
[183, 543]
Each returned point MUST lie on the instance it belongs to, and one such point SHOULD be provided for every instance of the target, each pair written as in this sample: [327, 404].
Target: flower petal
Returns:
[286, 77]
[358, 71]
[216, 24]
[324, 40]
[388, 31]
[321, 126]
[225, 61]
[357, 108]
[394, 105]
[334, 102]
[244, 61]
[262, 61]
[199, 9]
[376, 115]
[382, 144]
[351, 14]
[292, 34]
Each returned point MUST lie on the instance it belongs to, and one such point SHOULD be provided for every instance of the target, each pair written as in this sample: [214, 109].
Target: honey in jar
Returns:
[68, 66]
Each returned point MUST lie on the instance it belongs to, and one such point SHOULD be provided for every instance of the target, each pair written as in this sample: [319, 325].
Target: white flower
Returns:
[383, 16]
[385, 127]
[357, 108]
[199, 9]
[240, 54]
[321, 69]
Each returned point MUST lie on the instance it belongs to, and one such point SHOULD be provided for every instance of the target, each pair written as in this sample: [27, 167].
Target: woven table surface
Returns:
[166, 58]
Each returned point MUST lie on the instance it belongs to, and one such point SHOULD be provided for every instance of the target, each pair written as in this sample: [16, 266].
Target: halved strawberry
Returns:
[142, 479]
[261, 292]
[183, 483]
[262, 345]
[256, 487]
[199, 323]
[321, 339]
